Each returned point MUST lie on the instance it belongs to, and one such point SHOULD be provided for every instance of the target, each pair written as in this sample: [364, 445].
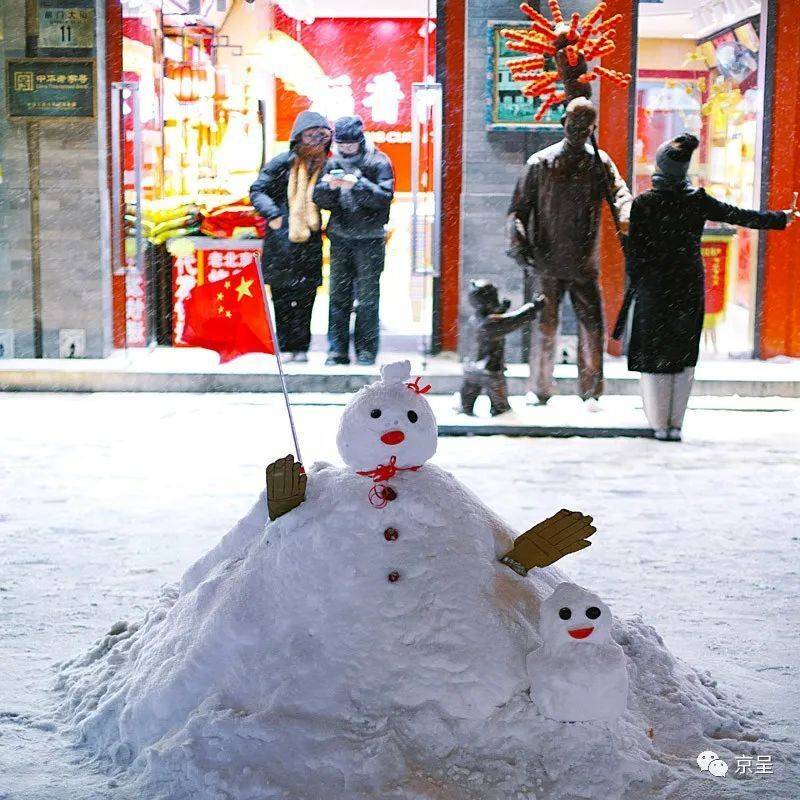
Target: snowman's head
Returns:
[571, 615]
[388, 418]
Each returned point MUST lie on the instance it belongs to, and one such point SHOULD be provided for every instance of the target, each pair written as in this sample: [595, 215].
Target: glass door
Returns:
[426, 202]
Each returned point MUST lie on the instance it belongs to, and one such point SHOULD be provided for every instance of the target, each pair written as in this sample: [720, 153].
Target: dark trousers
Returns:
[356, 266]
[587, 302]
[293, 307]
[493, 383]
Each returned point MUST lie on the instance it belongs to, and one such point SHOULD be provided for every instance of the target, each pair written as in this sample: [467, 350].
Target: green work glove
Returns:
[564, 533]
[286, 486]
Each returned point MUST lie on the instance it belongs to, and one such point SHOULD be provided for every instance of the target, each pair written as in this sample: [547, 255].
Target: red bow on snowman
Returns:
[380, 494]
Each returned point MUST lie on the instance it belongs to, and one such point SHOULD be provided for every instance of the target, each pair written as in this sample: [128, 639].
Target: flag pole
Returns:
[280, 370]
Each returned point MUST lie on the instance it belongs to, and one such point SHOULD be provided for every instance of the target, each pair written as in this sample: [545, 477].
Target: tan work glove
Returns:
[286, 486]
[564, 533]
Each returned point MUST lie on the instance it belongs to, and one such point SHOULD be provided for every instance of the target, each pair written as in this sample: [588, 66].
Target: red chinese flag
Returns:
[229, 316]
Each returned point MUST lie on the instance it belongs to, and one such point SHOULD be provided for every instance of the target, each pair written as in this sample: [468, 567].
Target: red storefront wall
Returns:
[615, 135]
[362, 49]
[780, 298]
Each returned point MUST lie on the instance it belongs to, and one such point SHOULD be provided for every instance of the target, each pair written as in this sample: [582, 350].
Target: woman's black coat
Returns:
[284, 264]
[665, 268]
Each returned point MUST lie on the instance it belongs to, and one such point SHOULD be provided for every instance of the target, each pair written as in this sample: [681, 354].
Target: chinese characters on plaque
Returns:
[39, 88]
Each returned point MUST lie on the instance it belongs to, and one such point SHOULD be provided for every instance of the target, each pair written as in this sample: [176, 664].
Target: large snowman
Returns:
[367, 642]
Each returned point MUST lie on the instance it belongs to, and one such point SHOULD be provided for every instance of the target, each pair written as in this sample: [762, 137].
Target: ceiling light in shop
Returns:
[431, 27]
[711, 17]
[222, 82]
[188, 82]
[298, 9]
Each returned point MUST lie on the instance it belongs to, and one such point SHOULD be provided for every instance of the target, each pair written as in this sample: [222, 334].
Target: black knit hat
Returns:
[673, 157]
[348, 129]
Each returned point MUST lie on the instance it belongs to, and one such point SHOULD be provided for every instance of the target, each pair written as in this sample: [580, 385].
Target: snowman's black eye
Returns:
[412, 416]
[564, 613]
[375, 413]
[593, 612]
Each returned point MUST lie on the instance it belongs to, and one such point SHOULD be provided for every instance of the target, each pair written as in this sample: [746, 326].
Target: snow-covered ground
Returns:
[103, 498]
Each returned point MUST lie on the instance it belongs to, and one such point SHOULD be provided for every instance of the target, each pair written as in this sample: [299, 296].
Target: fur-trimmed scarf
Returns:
[304, 215]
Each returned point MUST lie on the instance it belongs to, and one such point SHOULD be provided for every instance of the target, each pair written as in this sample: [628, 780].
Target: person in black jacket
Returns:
[666, 273]
[291, 260]
[357, 187]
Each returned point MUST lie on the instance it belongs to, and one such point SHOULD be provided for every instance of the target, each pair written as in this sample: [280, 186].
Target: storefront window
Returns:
[708, 86]
[217, 96]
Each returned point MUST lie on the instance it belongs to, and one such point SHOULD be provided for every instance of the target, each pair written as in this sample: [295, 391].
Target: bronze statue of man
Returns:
[554, 225]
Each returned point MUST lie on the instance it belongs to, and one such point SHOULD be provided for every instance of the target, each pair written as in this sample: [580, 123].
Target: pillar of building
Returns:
[73, 219]
[616, 126]
[778, 326]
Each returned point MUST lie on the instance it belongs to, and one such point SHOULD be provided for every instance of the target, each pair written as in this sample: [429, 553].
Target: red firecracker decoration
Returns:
[571, 44]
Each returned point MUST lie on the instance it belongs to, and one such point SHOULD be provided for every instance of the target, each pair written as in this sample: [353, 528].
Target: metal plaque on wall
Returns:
[66, 27]
[55, 88]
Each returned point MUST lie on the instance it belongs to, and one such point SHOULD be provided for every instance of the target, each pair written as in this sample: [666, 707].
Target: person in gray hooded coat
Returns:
[291, 260]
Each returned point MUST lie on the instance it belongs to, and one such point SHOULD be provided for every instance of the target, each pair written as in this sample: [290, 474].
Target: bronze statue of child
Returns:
[487, 328]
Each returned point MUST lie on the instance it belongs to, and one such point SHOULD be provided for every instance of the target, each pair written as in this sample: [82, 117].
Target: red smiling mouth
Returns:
[393, 437]
[580, 633]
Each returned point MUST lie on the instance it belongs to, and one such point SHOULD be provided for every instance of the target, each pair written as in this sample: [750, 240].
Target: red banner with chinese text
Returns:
[716, 252]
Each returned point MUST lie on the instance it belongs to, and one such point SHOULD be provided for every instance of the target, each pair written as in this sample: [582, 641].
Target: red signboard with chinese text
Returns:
[135, 308]
[370, 64]
[716, 256]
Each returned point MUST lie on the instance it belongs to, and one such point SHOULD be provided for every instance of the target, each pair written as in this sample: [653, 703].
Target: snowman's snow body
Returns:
[370, 645]
[579, 674]
[347, 614]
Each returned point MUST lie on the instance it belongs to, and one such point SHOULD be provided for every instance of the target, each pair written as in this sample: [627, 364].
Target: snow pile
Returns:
[359, 650]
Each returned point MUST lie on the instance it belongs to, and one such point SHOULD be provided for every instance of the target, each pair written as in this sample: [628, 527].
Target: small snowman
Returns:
[579, 673]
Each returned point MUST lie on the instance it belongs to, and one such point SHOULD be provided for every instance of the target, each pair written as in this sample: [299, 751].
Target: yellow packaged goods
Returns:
[175, 233]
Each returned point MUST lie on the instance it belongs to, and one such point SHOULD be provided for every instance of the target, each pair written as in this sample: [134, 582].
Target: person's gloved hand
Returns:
[564, 533]
[286, 486]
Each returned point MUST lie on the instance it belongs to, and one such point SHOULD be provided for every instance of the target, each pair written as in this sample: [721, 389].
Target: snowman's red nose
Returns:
[580, 633]
[393, 437]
